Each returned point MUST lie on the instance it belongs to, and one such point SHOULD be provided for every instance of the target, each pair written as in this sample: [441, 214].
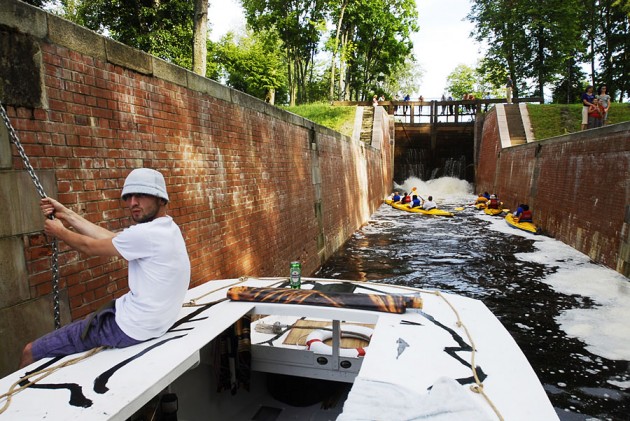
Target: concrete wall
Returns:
[577, 185]
[252, 187]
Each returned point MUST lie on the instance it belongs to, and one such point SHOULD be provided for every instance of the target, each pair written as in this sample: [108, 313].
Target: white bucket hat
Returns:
[146, 181]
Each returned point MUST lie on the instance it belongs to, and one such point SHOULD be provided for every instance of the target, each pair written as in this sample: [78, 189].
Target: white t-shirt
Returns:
[429, 204]
[159, 276]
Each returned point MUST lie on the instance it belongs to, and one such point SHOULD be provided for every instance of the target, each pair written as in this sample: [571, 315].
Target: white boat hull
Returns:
[418, 354]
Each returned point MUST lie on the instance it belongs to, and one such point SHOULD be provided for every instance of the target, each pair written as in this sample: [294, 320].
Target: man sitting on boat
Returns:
[158, 271]
[429, 204]
[523, 214]
[415, 202]
[494, 203]
[396, 197]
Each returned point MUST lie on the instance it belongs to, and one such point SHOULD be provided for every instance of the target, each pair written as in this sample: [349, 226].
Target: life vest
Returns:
[396, 198]
[493, 204]
[407, 199]
[526, 216]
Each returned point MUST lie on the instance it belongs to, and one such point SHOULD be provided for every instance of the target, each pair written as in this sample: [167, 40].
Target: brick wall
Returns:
[577, 186]
[252, 187]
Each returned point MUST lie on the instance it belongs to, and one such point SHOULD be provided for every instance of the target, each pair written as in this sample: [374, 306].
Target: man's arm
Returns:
[81, 242]
[50, 206]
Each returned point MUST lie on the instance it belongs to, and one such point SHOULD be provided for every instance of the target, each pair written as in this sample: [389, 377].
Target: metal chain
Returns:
[40, 189]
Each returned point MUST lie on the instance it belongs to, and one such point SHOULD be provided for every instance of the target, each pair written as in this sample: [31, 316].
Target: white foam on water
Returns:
[604, 328]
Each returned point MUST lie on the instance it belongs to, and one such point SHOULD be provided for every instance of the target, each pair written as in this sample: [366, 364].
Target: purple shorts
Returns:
[103, 331]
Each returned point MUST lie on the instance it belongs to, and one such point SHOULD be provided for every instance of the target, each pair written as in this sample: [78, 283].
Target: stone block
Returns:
[21, 324]
[14, 285]
[76, 38]
[128, 57]
[20, 70]
[208, 86]
[5, 147]
[170, 72]
[22, 214]
[23, 17]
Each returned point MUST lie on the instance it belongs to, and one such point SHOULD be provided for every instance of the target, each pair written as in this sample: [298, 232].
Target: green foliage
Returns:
[462, 80]
[404, 78]
[550, 120]
[378, 32]
[163, 29]
[528, 39]
[340, 119]
[543, 44]
[254, 63]
[298, 23]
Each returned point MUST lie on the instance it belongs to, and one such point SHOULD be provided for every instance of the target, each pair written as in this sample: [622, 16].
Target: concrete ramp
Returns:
[514, 124]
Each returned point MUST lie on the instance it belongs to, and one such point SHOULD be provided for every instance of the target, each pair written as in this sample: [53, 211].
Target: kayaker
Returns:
[406, 198]
[158, 271]
[494, 203]
[482, 198]
[415, 202]
[523, 214]
[429, 204]
[395, 197]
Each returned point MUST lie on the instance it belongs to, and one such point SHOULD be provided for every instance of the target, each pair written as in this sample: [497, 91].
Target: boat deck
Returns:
[410, 353]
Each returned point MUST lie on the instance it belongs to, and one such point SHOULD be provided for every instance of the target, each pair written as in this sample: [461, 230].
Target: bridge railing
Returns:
[431, 112]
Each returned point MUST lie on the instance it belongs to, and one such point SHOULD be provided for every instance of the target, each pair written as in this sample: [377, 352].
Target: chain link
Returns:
[13, 138]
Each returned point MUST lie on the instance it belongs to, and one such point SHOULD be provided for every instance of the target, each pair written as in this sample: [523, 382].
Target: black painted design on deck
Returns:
[77, 398]
[452, 350]
[100, 383]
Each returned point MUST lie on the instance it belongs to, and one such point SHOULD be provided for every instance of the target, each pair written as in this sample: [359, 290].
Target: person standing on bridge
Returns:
[158, 271]
[508, 89]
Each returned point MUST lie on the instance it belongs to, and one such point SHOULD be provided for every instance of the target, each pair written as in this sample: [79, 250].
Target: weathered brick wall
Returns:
[577, 186]
[252, 187]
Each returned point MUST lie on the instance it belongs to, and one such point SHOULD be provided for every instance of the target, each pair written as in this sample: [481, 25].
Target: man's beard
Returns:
[148, 217]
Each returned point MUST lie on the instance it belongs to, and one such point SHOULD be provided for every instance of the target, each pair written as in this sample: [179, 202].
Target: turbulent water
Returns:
[465, 255]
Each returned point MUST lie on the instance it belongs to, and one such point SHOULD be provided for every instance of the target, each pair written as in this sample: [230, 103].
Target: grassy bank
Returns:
[549, 120]
[340, 119]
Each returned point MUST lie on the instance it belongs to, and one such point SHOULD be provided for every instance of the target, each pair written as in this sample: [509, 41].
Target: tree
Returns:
[252, 63]
[163, 28]
[375, 38]
[462, 80]
[529, 40]
[335, 47]
[200, 37]
[611, 44]
[298, 24]
[405, 77]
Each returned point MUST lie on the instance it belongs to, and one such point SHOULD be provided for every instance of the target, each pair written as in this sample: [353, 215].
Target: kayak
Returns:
[494, 212]
[405, 207]
[525, 226]
[480, 206]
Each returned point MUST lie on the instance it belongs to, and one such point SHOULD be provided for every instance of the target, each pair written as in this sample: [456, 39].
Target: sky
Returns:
[441, 44]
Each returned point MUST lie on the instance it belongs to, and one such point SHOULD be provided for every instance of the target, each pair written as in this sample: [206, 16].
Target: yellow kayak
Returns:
[494, 212]
[525, 226]
[405, 207]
